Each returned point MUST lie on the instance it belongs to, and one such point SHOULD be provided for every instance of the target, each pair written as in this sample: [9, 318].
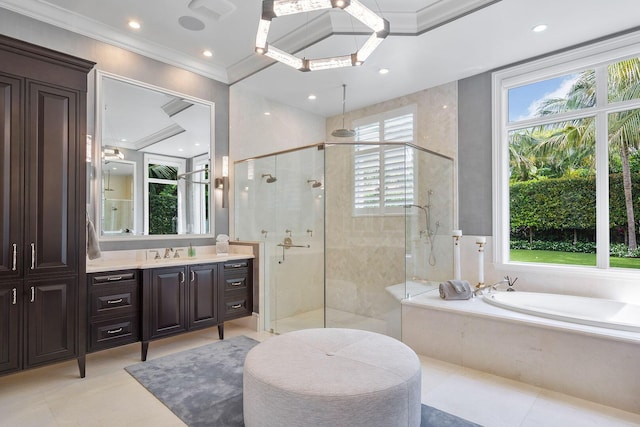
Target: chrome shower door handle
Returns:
[15, 257]
[33, 256]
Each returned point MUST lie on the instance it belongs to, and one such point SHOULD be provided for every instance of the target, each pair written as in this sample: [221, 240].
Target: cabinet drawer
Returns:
[235, 268]
[113, 333]
[236, 308]
[235, 283]
[114, 300]
[113, 277]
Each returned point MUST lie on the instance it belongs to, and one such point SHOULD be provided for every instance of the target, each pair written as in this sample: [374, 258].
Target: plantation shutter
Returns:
[383, 176]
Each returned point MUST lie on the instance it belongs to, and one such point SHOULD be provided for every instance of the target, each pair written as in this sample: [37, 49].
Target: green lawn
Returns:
[553, 257]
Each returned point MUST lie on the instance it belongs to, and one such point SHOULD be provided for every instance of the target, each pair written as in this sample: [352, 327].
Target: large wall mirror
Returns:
[154, 150]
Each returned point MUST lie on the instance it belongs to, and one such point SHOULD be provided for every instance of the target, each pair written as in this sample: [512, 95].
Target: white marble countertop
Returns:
[143, 259]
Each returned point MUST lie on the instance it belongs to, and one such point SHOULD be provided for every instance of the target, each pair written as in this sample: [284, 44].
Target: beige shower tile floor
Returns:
[109, 396]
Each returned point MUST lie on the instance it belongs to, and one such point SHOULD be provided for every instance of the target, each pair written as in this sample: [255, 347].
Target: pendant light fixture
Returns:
[276, 8]
[343, 133]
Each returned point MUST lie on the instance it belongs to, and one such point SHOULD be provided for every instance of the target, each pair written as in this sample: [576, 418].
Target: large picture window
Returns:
[567, 158]
[383, 174]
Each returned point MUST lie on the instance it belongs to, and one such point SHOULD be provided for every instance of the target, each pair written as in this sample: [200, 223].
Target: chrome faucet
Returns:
[494, 287]
[157, 255]
[167, 252]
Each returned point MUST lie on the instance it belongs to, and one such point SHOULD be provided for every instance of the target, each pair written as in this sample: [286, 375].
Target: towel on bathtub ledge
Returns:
[455, 290]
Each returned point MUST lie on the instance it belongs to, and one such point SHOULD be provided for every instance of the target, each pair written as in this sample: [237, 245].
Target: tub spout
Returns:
[494, 287]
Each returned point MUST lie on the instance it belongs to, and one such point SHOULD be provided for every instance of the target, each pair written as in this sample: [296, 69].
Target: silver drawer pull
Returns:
[33, 256]
[115, 331]
[236, 283]
[15, 296]
[236, 265]
[114, 278]
[236, 306]
[114, 301]
[33, 293]
[15, 257]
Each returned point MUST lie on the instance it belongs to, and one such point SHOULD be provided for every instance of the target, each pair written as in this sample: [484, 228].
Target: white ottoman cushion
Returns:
[332, 377]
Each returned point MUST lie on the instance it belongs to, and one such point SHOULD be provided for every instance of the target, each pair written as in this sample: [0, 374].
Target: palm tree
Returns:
[578, 136]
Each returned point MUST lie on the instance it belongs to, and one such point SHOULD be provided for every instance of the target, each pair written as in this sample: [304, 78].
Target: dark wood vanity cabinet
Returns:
[114, 309]
[185, 298]
[238, 289]
[42, 205]
[179, 299]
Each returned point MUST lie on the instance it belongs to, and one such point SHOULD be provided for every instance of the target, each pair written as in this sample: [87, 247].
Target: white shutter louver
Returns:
[383, 176]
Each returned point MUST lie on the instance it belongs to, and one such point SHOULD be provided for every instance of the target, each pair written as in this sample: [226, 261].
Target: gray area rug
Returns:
[203, 386]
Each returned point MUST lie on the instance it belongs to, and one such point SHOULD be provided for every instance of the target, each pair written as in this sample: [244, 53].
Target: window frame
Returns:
[596, 56]
[379, 146]
[181, 166]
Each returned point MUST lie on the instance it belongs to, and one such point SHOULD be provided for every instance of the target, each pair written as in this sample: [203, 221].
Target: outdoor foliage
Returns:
[566, 203]
[552, 167]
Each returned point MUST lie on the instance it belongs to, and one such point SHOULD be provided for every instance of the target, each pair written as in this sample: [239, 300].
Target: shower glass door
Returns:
[280, 201]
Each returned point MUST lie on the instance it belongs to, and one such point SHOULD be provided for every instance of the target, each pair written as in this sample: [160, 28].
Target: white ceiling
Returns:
[431, 41]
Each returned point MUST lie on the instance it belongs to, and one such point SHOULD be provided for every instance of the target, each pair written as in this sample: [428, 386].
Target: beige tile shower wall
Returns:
[437, 123]
[364, 255]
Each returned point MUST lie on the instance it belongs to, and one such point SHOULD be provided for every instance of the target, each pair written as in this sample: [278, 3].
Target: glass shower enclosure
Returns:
[348, 231]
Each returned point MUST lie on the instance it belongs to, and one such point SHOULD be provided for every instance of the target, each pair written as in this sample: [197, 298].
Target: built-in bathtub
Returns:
[591, 362]
[598, 312]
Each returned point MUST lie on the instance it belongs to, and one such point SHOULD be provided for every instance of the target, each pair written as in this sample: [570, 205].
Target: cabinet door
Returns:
[50, 315]
[10, 303]
[167, 301]
[203, 298]
[51, 143]
[11, 182]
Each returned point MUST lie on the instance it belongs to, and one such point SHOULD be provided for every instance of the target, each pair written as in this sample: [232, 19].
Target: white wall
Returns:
[252, 133]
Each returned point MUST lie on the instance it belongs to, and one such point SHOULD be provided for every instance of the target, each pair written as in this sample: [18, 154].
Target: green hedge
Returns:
[567, 203]
[616, 249]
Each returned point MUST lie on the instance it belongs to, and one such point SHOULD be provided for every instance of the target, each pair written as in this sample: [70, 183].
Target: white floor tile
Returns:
[55, 396]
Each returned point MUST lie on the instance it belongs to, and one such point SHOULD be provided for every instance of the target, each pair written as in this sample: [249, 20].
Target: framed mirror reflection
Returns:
[155, 148]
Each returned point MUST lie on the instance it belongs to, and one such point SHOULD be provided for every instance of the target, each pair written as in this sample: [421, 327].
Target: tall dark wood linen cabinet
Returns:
[42, 206]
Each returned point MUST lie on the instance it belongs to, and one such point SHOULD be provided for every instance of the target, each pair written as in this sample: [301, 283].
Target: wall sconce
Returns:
[223, 182]
[112, 154]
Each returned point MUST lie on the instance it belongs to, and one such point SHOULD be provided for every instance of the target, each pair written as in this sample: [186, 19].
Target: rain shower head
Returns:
[344, 133]
[270, 178]
[314, 183]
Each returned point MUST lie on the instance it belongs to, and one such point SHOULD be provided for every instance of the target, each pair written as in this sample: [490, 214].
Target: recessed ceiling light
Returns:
[134, 24]
[207, 53]
[311, 97]
[383, 71]
[266, 113]
[123, 140]
[444, 107]
[539, 28]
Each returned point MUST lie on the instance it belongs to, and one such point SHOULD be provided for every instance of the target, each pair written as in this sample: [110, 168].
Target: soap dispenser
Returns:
[192, 251]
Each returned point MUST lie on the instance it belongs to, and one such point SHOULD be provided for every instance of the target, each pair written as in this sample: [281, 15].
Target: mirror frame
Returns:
[96, 161]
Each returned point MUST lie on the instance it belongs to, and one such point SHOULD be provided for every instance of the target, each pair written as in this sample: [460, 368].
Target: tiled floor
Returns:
[109, 396]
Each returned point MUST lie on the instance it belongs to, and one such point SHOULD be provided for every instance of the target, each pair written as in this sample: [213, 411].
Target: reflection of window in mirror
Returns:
[164, 194]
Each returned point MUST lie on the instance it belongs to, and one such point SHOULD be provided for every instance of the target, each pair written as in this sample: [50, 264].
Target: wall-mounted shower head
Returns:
[314, 183]
[270, 178]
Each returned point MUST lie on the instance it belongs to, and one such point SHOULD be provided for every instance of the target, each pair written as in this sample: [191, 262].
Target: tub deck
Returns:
[589, 362]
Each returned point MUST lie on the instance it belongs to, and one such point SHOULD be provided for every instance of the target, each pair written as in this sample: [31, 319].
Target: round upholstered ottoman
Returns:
[331, 377]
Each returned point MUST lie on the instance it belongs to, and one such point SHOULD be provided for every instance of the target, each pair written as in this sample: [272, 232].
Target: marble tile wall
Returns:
[367, 254]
